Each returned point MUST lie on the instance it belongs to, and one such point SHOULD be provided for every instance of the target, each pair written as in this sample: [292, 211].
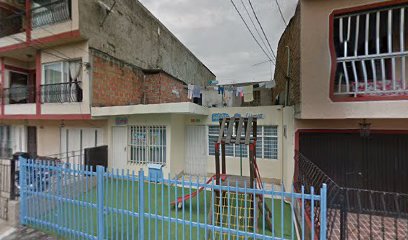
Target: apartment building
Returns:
[67, 66]
[347, 83]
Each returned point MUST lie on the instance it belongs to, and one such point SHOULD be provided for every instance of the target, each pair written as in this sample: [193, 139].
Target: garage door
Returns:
[378, 162]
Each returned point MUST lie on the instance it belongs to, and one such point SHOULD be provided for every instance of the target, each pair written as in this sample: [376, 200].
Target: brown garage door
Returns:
[378, 162]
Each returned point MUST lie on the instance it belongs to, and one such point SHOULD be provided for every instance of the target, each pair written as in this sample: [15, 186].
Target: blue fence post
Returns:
[323, 212]
[100, 170]
[141, 204]
[22, 182]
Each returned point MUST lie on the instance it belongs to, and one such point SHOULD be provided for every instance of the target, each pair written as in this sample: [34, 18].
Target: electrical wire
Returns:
[263, 31]
[250, 31]
[253, 24]
[281, 13]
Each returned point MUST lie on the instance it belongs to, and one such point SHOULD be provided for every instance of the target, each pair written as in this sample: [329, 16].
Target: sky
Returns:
[215, 33]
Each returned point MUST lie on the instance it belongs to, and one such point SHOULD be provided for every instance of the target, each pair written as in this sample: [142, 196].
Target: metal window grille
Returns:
[147, 144]
[267, 142]
[266, 148]
[371, 49]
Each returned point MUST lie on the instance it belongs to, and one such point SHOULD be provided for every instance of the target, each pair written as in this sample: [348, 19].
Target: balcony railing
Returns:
[54, 12]
[19, 95]
[371, 52]
[61, 92]
[12, 24]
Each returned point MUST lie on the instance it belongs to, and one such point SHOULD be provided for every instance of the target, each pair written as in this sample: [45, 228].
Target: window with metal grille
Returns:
[147, 144]
[266, 147]
[371, 52]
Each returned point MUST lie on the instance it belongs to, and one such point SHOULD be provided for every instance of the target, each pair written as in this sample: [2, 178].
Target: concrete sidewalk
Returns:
[21, 232]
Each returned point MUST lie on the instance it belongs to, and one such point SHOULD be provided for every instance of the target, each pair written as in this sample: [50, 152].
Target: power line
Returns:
[253, 24]
[263, 31]
[281, 13]
[108, 13]
[253, 36]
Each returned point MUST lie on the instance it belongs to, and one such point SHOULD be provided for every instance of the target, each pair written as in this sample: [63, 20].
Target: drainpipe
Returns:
[287, 77]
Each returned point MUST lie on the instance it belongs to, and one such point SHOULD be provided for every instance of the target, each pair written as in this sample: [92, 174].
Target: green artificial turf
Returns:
[121, 199]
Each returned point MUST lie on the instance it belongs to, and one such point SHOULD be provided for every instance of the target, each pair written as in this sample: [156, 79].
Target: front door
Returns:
[32, 141]
[119, 147]
[196, 151]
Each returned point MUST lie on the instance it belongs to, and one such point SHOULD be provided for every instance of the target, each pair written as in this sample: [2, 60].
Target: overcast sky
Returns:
[214, 32]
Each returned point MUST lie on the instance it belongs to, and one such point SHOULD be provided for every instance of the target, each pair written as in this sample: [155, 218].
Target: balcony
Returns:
[12, 24]
[19, 95]
[70, 92]
[51, 13]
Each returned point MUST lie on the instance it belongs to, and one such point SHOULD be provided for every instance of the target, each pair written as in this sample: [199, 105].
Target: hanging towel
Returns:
[196, 91]
[238, 92]
[249, 93]
[190, 91]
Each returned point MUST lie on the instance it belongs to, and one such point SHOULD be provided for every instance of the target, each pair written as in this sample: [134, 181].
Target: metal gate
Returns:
[378, 162]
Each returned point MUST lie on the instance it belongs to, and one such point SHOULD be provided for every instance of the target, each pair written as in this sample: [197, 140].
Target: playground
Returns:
[79, 203]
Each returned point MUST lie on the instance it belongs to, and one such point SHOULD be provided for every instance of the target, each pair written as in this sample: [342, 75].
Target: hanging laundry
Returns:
[228, 98]
[190, 91]
[221, 90]
[196, 91]
[239, 92]
[248, 93]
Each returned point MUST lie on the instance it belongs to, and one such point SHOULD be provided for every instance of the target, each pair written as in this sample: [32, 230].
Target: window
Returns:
[147, 144]
[62, 82]
[19, 90]
[266, 148]
[267, 143]
[371, 50]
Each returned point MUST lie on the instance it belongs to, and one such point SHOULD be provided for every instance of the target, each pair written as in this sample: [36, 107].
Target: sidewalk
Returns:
[21, 232]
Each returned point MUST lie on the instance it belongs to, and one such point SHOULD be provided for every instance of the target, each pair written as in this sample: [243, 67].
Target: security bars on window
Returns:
[371, 49]
[147, 144]
[266, 147]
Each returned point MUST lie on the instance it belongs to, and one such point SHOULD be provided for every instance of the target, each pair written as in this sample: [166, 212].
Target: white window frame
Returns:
[355, 82]
[261, 136]
[145, 155]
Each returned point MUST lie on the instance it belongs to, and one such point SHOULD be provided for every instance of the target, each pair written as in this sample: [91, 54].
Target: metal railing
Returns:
[113, 204]
[19, 95]
[356, 213]
[61, 92]
[12, 24]
[51, 13]
[371, 52]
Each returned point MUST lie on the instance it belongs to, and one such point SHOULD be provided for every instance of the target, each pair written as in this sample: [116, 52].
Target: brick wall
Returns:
[162, 88]
[115, 83]
[290, 38]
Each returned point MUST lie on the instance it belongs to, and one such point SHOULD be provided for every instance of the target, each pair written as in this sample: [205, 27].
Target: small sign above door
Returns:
[121, 121]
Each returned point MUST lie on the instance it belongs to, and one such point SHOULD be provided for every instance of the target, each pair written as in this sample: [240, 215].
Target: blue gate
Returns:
[77, 202]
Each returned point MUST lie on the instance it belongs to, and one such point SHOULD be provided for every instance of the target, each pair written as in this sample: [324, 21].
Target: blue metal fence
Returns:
[77, 202]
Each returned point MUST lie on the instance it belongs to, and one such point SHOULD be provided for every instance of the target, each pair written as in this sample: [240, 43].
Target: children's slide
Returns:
[184, 198]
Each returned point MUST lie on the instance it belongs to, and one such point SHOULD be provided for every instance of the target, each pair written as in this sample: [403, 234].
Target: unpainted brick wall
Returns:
[115, 83]
[162, 88]
[290, 38]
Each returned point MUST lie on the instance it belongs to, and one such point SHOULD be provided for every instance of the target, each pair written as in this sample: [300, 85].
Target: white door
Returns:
[119, 147]
[196, 151]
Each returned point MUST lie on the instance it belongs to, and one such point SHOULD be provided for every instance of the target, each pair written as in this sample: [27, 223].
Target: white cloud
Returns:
[214, 32]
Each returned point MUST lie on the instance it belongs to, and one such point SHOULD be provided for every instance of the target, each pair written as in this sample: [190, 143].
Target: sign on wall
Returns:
[215, 117]
[121, 121]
